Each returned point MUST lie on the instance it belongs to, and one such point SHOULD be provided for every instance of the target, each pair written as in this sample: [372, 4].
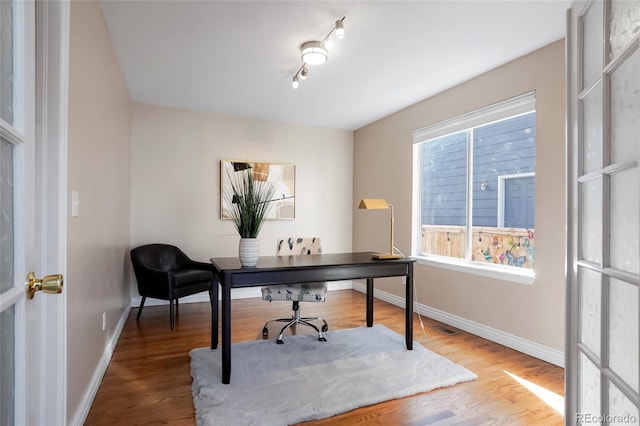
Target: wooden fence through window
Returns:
[505, 246]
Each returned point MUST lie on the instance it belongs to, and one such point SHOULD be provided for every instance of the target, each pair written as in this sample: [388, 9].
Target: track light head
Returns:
[303, 73]
[295, 83]
[339, 29]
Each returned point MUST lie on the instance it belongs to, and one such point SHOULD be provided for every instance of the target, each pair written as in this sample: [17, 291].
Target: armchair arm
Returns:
[203, 266]
[153, 282]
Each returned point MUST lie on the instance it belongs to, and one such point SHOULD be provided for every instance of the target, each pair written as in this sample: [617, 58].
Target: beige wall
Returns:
[382, 169]
[175, 195]
[99, 168]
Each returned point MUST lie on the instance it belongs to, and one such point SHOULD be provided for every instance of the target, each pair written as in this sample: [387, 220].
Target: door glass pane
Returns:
[621, 409]
[592, 35]
[590, 308]
[7, 367]
[7, 317]
[623, 331]
[592, 131]
[625, 109]
[6, 61]
[589, 377]
[590, 220]
[625, 24]
[624, 244]
[6, 215]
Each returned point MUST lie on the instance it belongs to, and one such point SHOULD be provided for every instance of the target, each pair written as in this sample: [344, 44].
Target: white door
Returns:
[603, 344]
[32, 219]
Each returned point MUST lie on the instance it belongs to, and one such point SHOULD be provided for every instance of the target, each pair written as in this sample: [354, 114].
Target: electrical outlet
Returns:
[104, 321]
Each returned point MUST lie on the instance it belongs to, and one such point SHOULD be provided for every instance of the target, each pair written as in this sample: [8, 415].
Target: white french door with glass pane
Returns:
[32, 220]
[603, 344]
[17, 114]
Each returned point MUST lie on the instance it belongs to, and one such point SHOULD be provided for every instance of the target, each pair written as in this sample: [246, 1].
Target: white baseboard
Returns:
[528, 347]
[96, 380]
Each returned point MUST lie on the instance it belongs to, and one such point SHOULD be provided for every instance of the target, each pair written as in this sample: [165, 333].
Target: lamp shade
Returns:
[373, 203]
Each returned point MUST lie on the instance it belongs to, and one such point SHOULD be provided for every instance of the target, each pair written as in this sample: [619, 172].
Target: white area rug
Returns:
[306, 379]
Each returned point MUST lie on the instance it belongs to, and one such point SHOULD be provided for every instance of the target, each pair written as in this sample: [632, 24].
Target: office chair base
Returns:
[292, 322]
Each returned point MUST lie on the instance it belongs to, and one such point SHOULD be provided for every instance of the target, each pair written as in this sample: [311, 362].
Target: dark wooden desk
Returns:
[272, 270]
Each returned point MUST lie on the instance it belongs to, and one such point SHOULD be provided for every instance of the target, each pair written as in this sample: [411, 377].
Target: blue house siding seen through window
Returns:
[444, 180]
[506, 147]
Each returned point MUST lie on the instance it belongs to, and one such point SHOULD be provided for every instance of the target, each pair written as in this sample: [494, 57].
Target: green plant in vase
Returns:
[248, 205]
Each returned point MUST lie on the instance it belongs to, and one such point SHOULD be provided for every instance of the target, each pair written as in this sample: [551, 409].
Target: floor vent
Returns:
[445, 330]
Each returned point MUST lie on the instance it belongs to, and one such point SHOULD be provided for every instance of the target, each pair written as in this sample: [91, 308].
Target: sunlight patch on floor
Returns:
[552, 399]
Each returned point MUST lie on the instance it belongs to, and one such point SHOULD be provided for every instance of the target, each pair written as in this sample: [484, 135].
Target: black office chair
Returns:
[296, 293]
[164, 272]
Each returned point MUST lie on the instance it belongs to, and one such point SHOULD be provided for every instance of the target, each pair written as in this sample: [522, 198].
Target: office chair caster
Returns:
[324, 329]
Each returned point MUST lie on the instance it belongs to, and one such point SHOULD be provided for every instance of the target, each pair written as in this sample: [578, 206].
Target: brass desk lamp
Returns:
[378, 203]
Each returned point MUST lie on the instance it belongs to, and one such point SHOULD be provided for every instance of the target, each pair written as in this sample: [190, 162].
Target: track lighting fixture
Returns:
[317, 52]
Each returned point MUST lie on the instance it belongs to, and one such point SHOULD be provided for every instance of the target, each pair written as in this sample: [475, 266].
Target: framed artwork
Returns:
[283, 205]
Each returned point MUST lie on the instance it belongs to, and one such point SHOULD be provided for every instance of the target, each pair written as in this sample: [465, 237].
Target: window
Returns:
[475, 181]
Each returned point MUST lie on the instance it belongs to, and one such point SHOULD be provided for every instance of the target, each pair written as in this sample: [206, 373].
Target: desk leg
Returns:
[214, 314]
[369, 302]
[226, 334]
[408, 331]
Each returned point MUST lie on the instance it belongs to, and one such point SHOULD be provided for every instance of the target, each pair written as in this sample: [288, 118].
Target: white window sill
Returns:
[506, 273]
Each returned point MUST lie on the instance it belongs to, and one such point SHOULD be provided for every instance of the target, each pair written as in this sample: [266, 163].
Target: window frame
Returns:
[517, 105]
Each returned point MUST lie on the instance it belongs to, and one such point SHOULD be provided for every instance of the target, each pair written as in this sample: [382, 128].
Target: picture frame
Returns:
[282, 174]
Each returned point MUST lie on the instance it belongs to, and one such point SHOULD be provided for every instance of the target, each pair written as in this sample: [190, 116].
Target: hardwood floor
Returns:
[148, 380]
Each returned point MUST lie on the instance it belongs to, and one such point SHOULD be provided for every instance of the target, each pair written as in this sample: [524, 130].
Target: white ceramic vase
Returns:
[249, 251]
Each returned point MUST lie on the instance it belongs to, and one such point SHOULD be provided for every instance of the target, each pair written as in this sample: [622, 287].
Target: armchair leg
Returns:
[171, 318]
[140, 308]
[177, 310]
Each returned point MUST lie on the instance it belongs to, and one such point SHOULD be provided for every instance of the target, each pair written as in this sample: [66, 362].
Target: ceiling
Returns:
[239, 57]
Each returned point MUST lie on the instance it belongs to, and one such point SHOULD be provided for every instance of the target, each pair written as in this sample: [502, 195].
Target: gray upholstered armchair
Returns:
[164, 272]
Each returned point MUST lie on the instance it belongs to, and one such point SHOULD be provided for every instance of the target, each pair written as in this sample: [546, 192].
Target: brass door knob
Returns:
[51, 284]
